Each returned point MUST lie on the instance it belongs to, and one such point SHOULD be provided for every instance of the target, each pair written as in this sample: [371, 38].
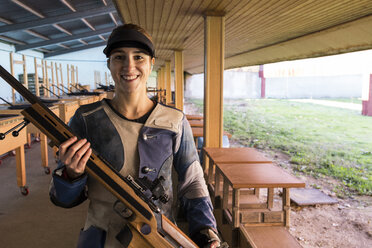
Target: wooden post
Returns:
[60, 71]
[12, 72]
[44, 77]
[72, 77]
[179, 81]
[68, 78]
[46, 85]
[37, 90]
[57, 79]
[214, 36]
[76, 75]
[167, 82]
[25, 77]
[53, 81]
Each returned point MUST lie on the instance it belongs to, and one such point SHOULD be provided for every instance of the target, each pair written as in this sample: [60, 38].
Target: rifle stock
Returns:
[143, 225]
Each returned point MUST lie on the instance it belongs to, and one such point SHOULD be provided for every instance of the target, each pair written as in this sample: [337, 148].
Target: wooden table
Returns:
[15, 143]
[231, 155]
[31, 129]
[196, 123]
[67, 109]
[257, 175]
[194, 117]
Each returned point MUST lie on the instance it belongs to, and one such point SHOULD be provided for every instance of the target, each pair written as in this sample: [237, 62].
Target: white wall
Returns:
[236, 84]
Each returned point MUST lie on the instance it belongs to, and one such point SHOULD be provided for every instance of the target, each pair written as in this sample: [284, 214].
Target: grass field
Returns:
[319, 140]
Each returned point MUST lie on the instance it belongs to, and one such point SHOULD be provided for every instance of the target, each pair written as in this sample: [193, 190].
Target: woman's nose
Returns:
[129, 63]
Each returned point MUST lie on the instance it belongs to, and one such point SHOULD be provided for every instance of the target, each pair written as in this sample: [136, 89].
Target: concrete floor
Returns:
[33, 221]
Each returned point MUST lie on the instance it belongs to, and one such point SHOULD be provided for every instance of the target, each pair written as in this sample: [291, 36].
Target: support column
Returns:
[263, 81]
[214, 49]
[167, 81]
[367, 104]
[179, 81]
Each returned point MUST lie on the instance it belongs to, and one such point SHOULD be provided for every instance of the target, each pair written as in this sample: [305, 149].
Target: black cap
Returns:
[124, 37]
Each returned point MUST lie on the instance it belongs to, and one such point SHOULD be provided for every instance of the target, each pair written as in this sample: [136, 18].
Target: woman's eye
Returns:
[138, 57]
[118, 57]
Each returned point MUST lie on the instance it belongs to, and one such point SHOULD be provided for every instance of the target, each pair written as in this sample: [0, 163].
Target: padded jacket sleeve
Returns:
[64, 192]
[192, 190]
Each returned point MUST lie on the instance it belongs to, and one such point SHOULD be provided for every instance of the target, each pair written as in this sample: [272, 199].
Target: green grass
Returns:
[345, 100]
[319, 140]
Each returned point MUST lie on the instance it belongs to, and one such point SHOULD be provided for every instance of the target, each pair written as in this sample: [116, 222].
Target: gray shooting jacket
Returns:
[161, 147]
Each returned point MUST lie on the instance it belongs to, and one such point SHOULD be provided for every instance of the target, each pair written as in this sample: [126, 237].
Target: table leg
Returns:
[44, 150]
[21, 168]
[286, 206]
[270, 198]
[217, 191]
[235, 208]
[225, 199]
[210, 171]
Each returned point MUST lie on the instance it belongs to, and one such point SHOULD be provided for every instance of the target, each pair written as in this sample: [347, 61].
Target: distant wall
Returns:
[248, 85]
[236, 85]
[315, 87]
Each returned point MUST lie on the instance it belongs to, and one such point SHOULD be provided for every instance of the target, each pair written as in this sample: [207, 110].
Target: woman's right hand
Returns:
[74, 154]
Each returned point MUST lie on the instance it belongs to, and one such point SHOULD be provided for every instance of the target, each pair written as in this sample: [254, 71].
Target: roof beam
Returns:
[31, 32]
[69, 5]
[75, 49]
[28, 8]
[57, 19]
[63, 39]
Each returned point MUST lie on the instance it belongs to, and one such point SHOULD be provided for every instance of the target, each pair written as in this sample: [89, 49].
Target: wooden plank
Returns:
[262, 175]
[262, 237]
[236, 155]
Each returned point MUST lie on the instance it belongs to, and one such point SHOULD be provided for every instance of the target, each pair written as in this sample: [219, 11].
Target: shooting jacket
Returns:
[162, 146]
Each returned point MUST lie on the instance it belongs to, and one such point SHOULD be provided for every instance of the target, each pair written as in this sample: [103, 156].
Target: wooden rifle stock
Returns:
[143, 225]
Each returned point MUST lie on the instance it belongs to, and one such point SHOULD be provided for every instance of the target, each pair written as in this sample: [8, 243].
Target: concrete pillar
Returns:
[214, 50]
[179, 80]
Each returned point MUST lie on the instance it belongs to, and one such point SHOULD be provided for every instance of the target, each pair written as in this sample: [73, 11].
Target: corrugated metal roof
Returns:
[256, 31]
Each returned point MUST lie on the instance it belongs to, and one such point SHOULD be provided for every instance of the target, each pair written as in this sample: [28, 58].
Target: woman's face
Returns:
[130, 67]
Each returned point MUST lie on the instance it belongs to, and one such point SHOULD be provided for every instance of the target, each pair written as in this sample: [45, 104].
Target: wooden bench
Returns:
[231, 213]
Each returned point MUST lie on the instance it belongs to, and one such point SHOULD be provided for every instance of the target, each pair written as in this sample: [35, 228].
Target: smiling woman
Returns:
[139, 138]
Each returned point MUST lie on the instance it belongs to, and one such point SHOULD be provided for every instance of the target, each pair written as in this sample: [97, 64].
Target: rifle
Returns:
[142, 229]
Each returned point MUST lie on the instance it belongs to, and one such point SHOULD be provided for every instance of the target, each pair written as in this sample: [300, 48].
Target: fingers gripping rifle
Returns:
[142, 226]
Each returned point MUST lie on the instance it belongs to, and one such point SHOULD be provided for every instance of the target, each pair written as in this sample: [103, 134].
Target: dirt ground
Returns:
[347, 224]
